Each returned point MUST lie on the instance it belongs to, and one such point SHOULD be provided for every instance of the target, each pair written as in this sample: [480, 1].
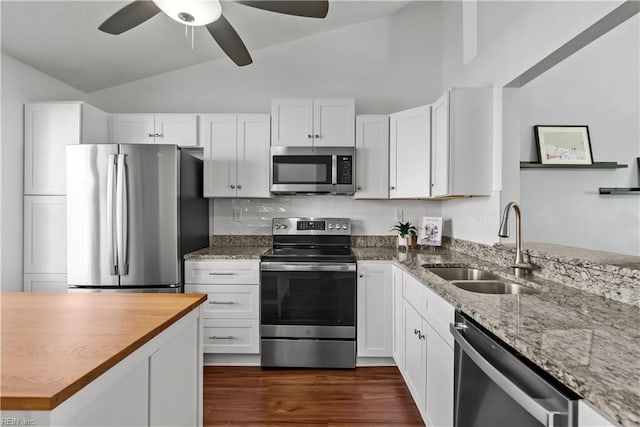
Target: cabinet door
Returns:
[440, 147]
[132, 129]
[415, 356]
[372, 157]
[219, 140]
[45, 283]
[178, 129]
[45, 234]
[375, 325]
[439, 389]
[48, 129]
[252, 154]
[334, 122]
[409, 153]
[398, 326]
[292, 122]
[174, 375]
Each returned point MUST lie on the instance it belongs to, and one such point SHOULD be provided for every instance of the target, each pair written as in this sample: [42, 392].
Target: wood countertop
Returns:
[55, 344]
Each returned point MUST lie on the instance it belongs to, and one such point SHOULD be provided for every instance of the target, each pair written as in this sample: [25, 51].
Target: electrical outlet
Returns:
[237, 214]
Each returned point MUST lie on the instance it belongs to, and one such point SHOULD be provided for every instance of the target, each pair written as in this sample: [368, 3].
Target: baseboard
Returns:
[375, 361]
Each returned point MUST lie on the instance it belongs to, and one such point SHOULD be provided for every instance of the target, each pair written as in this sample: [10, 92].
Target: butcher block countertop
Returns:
[55, 344]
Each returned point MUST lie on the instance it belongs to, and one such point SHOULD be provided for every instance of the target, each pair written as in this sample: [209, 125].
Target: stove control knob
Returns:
[284, 226]
[276, 226]
[344, 226]
[331, 226]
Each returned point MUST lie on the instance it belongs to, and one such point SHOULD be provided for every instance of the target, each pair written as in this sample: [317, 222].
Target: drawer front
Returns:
[413, 292]
[439, 314]
[224, 272]
[231, 336]
[228, 301]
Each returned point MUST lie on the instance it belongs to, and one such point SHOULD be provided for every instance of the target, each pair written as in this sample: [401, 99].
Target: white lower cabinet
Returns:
[590, 417]
[423, 349]
[45, 283]
[45, 234]
[231, 314]
[374, 308]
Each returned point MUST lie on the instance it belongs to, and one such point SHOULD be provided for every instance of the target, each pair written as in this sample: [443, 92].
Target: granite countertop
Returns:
[228, 252]
[589, 343]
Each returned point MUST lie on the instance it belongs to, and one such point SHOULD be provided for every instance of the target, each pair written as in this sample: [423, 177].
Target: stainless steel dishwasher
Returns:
[494, 387]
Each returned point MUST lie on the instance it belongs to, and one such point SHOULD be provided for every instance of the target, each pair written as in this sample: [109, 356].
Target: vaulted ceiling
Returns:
[61, 38]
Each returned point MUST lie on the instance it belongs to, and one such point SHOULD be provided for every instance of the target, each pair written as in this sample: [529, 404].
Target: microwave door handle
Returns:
[334, 169]
[528, 403]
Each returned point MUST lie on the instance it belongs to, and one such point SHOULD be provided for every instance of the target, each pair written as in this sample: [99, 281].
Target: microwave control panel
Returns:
[345, 169]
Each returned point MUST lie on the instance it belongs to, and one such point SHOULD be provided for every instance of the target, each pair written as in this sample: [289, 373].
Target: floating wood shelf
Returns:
[619, 190]
[595, 165]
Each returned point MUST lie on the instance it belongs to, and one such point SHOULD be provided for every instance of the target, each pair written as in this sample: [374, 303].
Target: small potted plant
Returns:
[407, 233]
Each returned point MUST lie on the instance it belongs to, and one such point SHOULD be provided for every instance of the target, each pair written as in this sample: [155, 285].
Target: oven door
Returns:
[308, 300]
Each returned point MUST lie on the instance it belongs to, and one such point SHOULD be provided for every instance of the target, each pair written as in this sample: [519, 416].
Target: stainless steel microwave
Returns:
[312, 170]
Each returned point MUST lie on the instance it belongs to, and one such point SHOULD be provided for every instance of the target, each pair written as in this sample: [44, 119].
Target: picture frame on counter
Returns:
[430, 233]
[563, 144]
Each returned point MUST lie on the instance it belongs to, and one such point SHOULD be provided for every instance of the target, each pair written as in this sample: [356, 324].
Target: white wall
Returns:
[598, 86]
[512, 37]
[20, 84]
[387, 64]
[369, 217]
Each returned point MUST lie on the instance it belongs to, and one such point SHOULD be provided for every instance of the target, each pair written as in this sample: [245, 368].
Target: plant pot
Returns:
[404, 242]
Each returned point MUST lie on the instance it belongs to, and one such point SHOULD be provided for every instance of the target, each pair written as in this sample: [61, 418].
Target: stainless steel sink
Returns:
[493, 287]
[462, 273]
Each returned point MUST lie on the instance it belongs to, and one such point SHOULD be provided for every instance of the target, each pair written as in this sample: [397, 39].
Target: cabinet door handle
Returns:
[309, 136]
[416, 332]
[151, 135]
[392, 188]
[239, 187]
[359, 187]
[222, 302]
[361, 276]
[420, 336]
[215, 337]
[233, 186]
[159, 135]
[221, 274]
[316, 136]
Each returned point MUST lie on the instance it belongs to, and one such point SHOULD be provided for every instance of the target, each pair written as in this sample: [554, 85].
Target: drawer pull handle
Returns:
[215, 337]
[222, 274]
[222, 302]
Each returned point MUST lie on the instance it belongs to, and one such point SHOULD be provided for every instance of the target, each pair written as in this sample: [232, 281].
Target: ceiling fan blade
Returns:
[129, 16]
[307, 8]
[229, 40]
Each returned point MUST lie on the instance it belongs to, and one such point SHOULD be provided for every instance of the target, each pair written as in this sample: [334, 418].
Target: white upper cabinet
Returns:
[321, 122]
[178, 129]
[48, 129]
[461, 150]
[410, 153]
[236, 153]
[372, 157]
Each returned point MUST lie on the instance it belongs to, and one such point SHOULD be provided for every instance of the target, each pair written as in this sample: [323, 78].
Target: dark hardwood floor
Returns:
[252, 396]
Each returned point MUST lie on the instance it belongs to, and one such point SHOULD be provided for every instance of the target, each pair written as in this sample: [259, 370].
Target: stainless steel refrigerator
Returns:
[133, 211]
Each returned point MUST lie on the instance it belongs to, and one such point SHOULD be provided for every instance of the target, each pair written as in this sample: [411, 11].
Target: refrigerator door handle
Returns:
[122, 216]
[111, 247]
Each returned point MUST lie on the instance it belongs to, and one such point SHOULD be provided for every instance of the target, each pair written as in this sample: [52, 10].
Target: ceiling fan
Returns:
[208, 13]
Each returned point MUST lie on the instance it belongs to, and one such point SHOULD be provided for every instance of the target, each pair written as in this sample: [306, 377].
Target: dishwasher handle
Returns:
[528, 403]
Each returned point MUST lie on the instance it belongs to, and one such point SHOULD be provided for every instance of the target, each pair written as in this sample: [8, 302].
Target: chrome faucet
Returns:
[520, 267]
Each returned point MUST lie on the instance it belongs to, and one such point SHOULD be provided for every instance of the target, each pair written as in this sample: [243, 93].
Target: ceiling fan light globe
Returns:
[191, 12]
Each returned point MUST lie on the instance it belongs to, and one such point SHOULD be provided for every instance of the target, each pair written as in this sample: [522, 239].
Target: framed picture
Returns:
[430, 232]
[563, 145]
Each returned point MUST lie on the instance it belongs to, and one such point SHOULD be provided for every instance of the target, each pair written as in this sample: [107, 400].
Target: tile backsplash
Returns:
[368, 217]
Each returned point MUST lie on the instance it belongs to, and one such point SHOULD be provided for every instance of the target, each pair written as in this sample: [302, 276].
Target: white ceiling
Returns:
[61, 38]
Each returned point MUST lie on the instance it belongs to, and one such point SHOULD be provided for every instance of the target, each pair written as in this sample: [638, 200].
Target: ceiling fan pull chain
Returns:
[192, 43]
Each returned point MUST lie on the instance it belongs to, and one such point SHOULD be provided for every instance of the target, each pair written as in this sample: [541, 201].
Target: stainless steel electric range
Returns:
[308, 295]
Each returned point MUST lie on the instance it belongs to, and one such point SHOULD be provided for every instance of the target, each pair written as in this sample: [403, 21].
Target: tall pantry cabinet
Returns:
[48, 128]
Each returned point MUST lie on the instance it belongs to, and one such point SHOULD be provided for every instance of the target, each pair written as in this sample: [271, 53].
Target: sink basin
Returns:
[462, 273]
[493, 287]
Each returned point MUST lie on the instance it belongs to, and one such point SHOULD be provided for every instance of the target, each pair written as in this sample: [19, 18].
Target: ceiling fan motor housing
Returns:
[191, 12]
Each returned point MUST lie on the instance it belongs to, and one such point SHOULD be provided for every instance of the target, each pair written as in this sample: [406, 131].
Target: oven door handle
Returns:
[307, 266]
[531, 405]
